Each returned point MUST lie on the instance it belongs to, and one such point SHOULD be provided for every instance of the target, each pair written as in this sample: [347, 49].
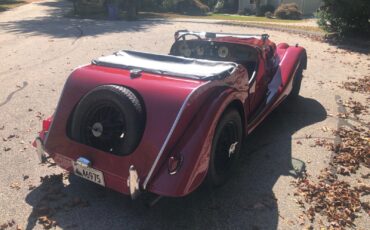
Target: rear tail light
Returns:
[46, 124]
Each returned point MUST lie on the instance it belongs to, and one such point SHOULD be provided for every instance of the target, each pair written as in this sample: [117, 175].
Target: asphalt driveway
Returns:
[39, 48]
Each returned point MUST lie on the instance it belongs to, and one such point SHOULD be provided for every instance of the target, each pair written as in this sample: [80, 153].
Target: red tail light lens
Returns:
[46, 124]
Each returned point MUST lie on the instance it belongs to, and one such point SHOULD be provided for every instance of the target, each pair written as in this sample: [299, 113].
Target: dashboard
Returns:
[217, 51]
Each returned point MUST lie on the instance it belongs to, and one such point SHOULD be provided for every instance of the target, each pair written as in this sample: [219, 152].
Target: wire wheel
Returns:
[105, 127]
[226, 146]
[110, 118]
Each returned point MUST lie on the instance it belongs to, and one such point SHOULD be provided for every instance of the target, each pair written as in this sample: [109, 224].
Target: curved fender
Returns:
[194, 146]
[290, 58]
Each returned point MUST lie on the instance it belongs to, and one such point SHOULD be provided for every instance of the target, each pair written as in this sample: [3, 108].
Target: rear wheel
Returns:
[109, 118]
[226, 147]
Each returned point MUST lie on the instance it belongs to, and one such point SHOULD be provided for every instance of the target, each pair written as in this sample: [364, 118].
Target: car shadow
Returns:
[56, 24]
[247, 201]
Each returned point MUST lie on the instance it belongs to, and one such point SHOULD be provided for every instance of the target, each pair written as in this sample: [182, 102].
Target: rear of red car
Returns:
[119, 125]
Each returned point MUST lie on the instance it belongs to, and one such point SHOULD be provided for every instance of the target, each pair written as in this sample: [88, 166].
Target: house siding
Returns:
[308, 7]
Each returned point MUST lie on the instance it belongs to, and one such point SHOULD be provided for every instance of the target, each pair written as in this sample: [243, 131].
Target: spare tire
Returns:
[110, 118]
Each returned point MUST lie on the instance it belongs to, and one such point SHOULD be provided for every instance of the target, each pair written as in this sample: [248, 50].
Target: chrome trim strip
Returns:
[217, 35]
[133, 181]
[40, 150]
[170, 134]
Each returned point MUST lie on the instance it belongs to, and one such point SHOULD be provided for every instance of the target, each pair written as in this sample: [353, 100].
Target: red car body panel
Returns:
[163, 97]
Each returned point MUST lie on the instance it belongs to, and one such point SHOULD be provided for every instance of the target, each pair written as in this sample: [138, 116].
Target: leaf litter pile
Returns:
[355, 107]
[329, 196]
[362, 85]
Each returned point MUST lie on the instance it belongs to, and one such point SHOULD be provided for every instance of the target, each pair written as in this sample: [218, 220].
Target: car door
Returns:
[258, 83]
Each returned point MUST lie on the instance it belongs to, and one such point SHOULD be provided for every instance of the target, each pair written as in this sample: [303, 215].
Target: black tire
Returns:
[110, 118]
[297, 81]
[222, 163]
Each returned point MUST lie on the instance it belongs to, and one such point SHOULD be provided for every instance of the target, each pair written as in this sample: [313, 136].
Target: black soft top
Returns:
[168, 65]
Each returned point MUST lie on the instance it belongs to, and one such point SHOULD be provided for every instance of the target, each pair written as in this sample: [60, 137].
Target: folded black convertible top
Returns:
[168, 65]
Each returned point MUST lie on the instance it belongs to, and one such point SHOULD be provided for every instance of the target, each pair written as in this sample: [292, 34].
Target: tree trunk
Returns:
[131, 10]
[258, 7]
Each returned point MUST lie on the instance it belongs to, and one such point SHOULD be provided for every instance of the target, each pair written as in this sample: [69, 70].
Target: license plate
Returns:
[88, 173]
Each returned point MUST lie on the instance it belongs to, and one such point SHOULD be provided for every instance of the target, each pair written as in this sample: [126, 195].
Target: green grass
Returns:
[262, 22]
[9, 4]
[228, 17]
[281, 26]
[236, 17]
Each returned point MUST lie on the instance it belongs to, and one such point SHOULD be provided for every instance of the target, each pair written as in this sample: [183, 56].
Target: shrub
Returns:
[247, 11]
[88, 7]
[345, 17]
[192, 7]
[268, 14]
[226, 6]
[169, 5]
[265, 8]
[151, 5]
[288, 11]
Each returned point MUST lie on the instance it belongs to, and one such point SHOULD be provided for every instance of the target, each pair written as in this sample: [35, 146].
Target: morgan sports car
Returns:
[136, 121]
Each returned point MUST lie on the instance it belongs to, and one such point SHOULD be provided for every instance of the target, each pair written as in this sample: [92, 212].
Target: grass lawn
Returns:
[240, 20]
[230, 17]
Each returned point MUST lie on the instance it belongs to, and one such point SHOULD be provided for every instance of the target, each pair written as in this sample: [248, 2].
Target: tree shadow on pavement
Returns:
[247, 201]
[54, 24]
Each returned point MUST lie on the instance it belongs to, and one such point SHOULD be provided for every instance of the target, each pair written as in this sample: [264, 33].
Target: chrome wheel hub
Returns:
[97, 129]
[232, 148]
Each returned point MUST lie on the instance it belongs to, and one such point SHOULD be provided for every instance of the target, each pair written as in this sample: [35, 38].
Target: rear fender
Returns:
[291, 57]
[194, 146]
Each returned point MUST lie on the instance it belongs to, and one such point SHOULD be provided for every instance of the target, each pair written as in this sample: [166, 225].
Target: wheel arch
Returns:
[238, 105]
[196, 151]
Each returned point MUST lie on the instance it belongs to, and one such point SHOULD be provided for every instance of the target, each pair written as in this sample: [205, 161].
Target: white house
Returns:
[306, 6]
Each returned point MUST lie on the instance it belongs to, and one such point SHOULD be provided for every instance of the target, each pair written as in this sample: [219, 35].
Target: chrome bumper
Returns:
[40, 150]
[133, 181]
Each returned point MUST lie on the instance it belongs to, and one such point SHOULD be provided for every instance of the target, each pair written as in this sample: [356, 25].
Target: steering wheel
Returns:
[184, 35]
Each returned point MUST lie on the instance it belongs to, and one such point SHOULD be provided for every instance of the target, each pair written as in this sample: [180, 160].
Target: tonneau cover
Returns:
[168, 65]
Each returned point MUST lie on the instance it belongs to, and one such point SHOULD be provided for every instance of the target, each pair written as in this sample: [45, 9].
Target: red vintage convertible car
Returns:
[135, 121]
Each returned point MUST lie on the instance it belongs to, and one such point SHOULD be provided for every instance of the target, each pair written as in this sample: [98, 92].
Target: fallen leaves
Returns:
[362, 85]
[10, 224]
[353, 150]
[54, 200]
[46, 222]
[329, 197]
[325, 129]
[6, 149]
[40, 115]
[363, 189]
[355, 107]
[15, 185]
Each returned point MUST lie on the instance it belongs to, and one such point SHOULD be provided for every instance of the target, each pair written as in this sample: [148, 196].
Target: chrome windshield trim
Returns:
[181, 111]
[219, 35]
